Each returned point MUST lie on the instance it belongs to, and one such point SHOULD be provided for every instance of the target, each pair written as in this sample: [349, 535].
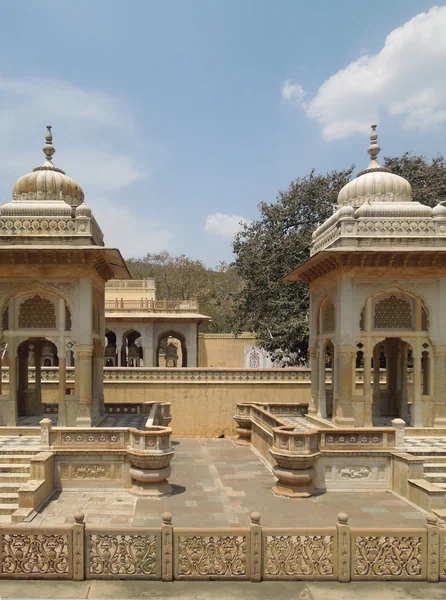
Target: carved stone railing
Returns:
[149, 305]
[298, 375]
[338, 553]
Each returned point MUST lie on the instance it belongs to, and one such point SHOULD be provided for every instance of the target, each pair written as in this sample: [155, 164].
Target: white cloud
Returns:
[405, 80]
[292, 92]
[125, 229]
[224, 225]
[90, 128]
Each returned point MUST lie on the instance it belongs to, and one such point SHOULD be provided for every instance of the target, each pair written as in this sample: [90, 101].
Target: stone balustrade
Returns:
[350, 457]
[254, 553]
[192, 374]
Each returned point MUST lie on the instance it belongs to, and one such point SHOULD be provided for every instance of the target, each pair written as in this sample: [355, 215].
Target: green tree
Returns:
[269, 248]
[272, 246]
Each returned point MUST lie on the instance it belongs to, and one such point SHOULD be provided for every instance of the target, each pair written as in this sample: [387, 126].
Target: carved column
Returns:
[367, 391]
[376, 403]
[83, 374]
[440, 386]
[417, 406]
[402, 378]
[98, 380]
[312, 409]
[22, 384]
[322, 399]
[346, 365]
[61, 418]
[10, 418]
[38, 372]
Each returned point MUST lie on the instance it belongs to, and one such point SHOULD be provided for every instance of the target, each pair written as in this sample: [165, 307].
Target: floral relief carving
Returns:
[212, 556]
[301, 555]
[386, 556]
[36, 554]
[122, 555]
[355, 473]
[90, 471]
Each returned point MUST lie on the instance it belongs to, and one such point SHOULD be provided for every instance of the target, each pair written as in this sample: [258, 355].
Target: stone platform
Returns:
[218, 483]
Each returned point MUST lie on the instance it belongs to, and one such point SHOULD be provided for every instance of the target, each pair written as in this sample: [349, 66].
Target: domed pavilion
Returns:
[377, 278]
[52, 279]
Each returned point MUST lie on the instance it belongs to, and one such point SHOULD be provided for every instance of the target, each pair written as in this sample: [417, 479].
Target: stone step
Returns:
[16, 458]
[9, 487]
[434, 467]
[8, 509]
[435, 459]
[428, 452]
[14, 467]
[13, 478]
[9, 497]
[435, 477]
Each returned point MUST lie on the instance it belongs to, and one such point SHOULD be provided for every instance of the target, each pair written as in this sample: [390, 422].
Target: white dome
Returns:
[375, 184]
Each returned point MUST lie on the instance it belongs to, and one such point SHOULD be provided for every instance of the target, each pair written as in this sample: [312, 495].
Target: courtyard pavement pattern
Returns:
[217, 483]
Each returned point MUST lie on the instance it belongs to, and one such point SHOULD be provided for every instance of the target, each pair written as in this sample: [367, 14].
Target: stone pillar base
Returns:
[294, 483]
[345, 421]
[83, 422]
[151, 483]
[244, 436]
[151, 491]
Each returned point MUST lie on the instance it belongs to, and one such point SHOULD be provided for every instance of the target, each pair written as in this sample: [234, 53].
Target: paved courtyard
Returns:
[217, 483]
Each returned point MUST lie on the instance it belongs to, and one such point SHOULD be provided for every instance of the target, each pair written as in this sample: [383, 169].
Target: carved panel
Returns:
[204, 557]
[67, 318]
[90, 471]
[298, 556]
[393, 313]
[387, 557]
[37, 312]
[137, 556]
[34, 555]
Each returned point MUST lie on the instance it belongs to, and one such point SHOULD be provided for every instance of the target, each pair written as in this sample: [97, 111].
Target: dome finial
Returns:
[48, 148]
[374, 148]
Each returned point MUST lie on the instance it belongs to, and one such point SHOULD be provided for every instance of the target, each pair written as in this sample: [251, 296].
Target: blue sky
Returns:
[177, 117]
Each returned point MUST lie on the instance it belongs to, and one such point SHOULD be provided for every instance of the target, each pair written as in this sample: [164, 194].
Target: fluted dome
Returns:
[375, 184]
[48, 183]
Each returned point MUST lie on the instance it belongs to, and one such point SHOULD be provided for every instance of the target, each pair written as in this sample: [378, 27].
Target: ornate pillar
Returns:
[147, 345]
[22, 384]
[84, 381]
[367, 389]
[440, 386]
[98, 380]
[417, 406]
[376, 402]
[10, 418]
[322, 399]
[61, 417]
[38, 371]
[312, 409]
[346, 365]
[404, 406]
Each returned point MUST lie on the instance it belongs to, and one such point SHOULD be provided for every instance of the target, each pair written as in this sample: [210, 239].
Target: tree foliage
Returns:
[269, 248]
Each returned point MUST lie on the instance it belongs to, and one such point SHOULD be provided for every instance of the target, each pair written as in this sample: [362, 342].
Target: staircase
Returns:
[434, 464]
[14, 472]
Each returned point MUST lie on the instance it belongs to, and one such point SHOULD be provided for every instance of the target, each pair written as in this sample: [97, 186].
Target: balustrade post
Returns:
[398, 425]
[433, 548]
[166, 547]
[78, 547]
[344, 548]
[256, 547]
[45, 428]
